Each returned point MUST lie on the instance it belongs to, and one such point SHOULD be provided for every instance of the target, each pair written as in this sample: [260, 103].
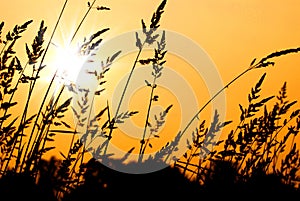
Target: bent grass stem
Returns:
[211, 99]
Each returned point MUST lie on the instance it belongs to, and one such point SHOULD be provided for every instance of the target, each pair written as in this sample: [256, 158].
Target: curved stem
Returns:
[211, 99]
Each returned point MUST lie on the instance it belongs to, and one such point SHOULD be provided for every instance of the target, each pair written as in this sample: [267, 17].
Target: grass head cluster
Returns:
[259, 154]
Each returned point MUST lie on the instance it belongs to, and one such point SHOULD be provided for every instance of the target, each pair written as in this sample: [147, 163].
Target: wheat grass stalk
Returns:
[157, 65]
[45, 97]
[150, 38]
[264, 62]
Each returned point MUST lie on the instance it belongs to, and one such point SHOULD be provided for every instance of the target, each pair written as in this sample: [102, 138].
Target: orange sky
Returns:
[232, 32]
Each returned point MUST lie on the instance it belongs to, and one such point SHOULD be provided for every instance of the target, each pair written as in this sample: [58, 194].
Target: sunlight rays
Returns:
[68, 62]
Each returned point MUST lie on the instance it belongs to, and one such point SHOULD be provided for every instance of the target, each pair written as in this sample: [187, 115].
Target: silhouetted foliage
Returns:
[259, 157]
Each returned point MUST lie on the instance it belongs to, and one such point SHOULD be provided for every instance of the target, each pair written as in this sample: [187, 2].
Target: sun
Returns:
[68, 61]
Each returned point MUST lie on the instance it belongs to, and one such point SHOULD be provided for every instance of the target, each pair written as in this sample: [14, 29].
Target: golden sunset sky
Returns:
[231, 32]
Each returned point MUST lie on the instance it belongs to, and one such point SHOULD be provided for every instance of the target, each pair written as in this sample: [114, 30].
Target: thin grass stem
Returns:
[81, 22]
[111, 126]
[143, 144]
[44, 99]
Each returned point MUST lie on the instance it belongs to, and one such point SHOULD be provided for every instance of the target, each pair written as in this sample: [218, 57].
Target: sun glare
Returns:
[68, 63]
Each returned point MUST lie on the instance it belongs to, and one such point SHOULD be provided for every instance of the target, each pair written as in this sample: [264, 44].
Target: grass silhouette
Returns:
[259, 155]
